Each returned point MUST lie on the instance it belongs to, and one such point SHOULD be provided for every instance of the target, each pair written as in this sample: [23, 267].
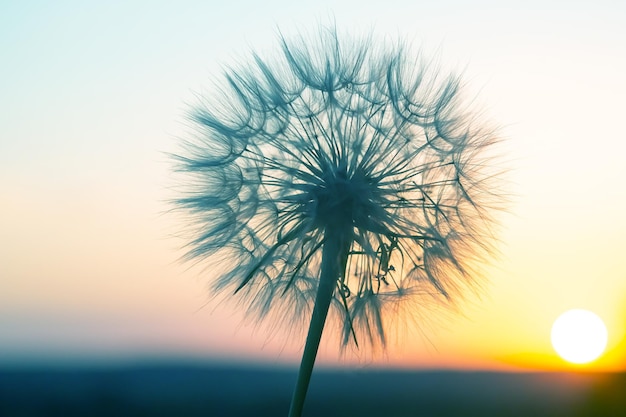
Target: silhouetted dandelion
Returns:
[338, 174]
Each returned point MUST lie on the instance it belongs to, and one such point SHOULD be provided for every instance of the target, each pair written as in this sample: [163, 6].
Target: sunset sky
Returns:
[93, 96]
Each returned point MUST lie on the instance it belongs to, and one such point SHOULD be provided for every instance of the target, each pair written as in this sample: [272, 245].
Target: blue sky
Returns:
[92, 96]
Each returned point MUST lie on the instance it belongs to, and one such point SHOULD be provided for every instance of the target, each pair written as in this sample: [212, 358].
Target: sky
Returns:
[93, 96]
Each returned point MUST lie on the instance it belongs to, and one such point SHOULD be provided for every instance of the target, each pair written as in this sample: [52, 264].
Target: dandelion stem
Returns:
[334, 259]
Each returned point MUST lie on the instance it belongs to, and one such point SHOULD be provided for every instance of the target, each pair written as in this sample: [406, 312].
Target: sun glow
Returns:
[579, 336]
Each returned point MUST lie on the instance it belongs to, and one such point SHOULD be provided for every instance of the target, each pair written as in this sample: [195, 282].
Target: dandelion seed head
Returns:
[344, 135]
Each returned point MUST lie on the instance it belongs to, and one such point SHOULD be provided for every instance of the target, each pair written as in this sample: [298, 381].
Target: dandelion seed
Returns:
[340, 176]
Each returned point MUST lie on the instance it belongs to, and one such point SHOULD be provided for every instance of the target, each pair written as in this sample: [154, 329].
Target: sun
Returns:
[579, 336]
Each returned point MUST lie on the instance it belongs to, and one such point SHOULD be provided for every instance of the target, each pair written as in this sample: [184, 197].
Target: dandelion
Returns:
[338, 176]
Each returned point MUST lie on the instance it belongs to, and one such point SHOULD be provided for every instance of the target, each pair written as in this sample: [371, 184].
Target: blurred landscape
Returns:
[238, 390]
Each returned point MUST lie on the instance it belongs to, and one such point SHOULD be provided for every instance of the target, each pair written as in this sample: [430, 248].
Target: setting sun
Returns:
[579, 336]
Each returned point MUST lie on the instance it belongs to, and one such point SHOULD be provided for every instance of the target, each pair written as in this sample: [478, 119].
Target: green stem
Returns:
[334, 259]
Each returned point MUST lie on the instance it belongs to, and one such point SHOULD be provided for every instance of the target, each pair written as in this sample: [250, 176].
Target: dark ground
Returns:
[180, 391]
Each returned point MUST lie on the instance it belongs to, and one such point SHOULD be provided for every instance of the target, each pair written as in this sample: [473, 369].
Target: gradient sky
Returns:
[92, 96]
